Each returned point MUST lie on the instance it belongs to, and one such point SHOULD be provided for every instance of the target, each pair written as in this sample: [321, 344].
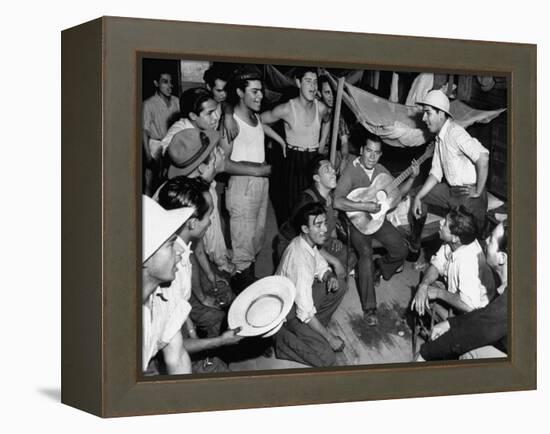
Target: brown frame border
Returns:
[101, 185]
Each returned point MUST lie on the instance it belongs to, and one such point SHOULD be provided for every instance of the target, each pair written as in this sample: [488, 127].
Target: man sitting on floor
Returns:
[323, 176]
[462, 263]
[304, 337]
[483, 332]
[182, 192]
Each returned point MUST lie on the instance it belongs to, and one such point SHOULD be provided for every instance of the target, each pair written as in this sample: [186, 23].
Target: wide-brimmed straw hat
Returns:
[159, 224]
[189, 148]
[262, 306]
[438, 100]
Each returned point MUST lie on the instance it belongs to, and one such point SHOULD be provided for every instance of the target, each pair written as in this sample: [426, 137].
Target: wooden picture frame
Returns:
[101, 215]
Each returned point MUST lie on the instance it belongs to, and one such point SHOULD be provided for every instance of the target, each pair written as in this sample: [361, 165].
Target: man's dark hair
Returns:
[462, 223]
[373, 138]
[315, 165]
[182, 192]
[503, 242]
[215, 72]
[322, 80]
[192, 99]
[301, 218]
[300, 71]
[240, 79]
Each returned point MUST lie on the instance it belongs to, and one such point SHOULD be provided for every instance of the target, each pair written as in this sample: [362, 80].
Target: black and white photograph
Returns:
[306, 216]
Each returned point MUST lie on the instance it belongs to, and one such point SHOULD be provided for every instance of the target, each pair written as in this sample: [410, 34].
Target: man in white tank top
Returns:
[306, 122]
[247, 196]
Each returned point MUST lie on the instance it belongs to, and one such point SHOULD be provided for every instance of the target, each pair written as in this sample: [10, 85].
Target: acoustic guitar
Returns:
[384, 190]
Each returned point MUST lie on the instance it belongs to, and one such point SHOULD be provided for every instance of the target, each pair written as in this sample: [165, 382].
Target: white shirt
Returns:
[249, 143]
[455, 155]
[461, 272]
[182, 282]
[180, 125]
[163, 315]
[302, 263]
[214, 242]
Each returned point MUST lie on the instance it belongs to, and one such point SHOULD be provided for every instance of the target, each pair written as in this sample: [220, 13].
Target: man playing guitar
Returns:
[361, 173]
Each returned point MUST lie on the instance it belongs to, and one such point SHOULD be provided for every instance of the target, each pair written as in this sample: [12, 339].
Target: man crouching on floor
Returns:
[304, 337]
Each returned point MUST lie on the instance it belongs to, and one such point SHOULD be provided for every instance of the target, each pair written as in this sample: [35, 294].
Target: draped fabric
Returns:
[396, 124]
[400, 125]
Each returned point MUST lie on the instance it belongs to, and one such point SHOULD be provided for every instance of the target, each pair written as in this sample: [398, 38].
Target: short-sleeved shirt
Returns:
[302, 264]
[356, 175]
[455, 155]
[163, 315]
[461, 270]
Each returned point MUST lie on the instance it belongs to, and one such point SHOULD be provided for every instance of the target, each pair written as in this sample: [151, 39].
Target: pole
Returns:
[336, 120]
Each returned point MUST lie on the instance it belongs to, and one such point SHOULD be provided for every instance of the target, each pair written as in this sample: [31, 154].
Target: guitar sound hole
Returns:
[381, 196]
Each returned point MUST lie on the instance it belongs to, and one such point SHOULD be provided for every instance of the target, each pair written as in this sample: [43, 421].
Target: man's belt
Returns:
[298, 149]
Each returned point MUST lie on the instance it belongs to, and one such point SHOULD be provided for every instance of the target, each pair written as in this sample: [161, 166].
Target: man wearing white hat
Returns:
[163, 311]
[458, 158]
[187, 193]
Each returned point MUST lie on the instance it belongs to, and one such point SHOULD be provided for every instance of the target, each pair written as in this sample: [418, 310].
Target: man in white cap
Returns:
[459, 170]
[163, 312]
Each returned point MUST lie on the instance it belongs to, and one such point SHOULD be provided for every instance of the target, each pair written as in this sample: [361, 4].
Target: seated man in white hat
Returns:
[460, 166]
[178, 193]
[304, 337]
[164, 312]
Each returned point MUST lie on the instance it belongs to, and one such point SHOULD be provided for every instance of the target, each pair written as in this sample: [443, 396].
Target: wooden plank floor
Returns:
[389, 342]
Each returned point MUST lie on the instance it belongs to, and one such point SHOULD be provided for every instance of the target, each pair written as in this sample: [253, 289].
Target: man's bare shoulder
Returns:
[283, 108]
[281, 111]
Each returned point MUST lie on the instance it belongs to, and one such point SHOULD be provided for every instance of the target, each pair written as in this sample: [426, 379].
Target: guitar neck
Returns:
[397, 181]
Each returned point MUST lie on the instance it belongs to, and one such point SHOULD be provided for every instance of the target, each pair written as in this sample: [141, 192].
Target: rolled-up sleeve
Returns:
[470, 146]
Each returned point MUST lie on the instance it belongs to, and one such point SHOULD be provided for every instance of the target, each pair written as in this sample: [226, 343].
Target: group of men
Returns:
[190, 276]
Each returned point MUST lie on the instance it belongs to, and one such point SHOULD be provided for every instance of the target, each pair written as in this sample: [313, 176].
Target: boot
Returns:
[243, 279]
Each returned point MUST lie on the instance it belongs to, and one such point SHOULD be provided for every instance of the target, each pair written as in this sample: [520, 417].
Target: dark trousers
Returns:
[297, 175]
[396, 252]
[298, 341]
[440, 201]
[208, 320]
